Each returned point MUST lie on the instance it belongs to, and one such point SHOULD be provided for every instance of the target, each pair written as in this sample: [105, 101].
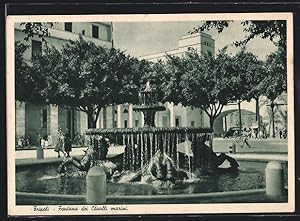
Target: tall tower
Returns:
[201, 42]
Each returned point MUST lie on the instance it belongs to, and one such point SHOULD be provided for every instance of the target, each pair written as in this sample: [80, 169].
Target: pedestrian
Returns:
[284, 133]
[255, 133]
[280, 133]
[49, 138]
[261, 134]
[245, 141]
[42, 144]
[67, 143]
[28, 141]
[20, 142]
[59, 146]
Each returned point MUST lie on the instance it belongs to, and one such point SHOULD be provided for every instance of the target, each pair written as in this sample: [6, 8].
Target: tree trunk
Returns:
[211, 125]
[257, 113]
[92, 118]
[272, 118]
[240, 118]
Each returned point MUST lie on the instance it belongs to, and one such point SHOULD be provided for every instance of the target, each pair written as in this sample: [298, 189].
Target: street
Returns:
[257, 145]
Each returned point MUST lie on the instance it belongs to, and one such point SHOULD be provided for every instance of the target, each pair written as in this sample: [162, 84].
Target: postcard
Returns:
[150, 114]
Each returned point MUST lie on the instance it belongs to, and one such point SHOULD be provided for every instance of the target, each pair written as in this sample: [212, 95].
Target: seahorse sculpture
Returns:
[92, 156]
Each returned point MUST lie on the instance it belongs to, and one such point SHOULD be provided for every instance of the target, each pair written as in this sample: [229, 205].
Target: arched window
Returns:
[125, 111]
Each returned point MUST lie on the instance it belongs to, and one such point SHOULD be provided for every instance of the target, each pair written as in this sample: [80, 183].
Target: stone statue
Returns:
[94, 155]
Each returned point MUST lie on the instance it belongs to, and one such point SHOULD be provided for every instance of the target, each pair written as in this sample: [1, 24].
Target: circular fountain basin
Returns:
[45, 180]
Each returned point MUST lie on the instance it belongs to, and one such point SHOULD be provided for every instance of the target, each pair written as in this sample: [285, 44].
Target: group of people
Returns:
[253, 133]
[281, 133]
[64, 144]
[45, 141]
[24, 142]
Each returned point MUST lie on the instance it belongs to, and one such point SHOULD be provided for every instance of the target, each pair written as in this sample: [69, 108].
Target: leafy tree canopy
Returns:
[275, 82]
[207, 82]
[38, 28]
[26, 88]
[247, 76]
[274, 30]
[86, 77]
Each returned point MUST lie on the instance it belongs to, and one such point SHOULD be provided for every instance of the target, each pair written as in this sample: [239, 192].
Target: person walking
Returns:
[244, 140]
[59, 146]
[67, 143]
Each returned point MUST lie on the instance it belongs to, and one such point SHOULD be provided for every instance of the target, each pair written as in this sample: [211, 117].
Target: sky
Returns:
[142, 38]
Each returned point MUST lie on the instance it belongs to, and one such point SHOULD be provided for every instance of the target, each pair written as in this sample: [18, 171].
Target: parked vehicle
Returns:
[231, 131]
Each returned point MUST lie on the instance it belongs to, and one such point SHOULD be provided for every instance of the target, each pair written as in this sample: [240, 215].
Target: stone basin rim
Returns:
[158, 197]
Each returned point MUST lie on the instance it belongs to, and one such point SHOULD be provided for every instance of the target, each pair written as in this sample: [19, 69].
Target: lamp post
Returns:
[272, 123]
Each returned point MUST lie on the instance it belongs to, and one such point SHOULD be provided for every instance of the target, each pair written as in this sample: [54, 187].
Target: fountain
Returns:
[153, 151]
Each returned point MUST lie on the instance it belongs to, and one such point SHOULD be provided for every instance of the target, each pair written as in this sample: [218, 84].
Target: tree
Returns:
[206, 83]
[275, 31]
[86, 77]
[36, 28]
[27, 85]
[249, 73]
[275, 82]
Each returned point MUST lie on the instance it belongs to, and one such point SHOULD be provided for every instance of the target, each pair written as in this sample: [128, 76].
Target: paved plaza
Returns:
[220, 145]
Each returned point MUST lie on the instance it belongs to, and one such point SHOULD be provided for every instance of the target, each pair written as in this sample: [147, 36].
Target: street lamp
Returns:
[272, 105]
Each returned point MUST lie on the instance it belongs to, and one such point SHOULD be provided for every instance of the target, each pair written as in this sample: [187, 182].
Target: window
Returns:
[83, 32]
[125, 123]
[44, 118]
[125, 111]
[95, 31]
[192, 123]
[177, 122]
[68, 26]
[36, 48]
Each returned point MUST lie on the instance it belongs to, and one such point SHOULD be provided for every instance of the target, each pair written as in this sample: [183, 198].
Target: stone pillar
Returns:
[96, 186]
[39, 152]
[142, 119]
[119, 117]
[130, 116]
[113, 115]
[53, 123]
[274, 179]
[20, 119]
[172, 118]
[98, 124]
[184, 119]
[101, 119]
[156, 119]
[104, 117]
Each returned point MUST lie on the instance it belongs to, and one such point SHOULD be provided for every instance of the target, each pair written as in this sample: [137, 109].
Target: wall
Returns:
[20, 119]
[33, 121]
[195, 115]
[62, 118]
[207, 43]
[189, 41]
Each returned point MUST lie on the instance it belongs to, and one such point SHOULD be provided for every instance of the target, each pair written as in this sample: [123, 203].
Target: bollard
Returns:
[274, 179]
[96, 186]
[232, 148]
[39, 152]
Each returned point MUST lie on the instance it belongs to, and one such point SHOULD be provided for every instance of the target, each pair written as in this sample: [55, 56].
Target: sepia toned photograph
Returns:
[181, 113]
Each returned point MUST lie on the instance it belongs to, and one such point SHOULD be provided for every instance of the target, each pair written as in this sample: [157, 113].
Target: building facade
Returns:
[36, 121]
